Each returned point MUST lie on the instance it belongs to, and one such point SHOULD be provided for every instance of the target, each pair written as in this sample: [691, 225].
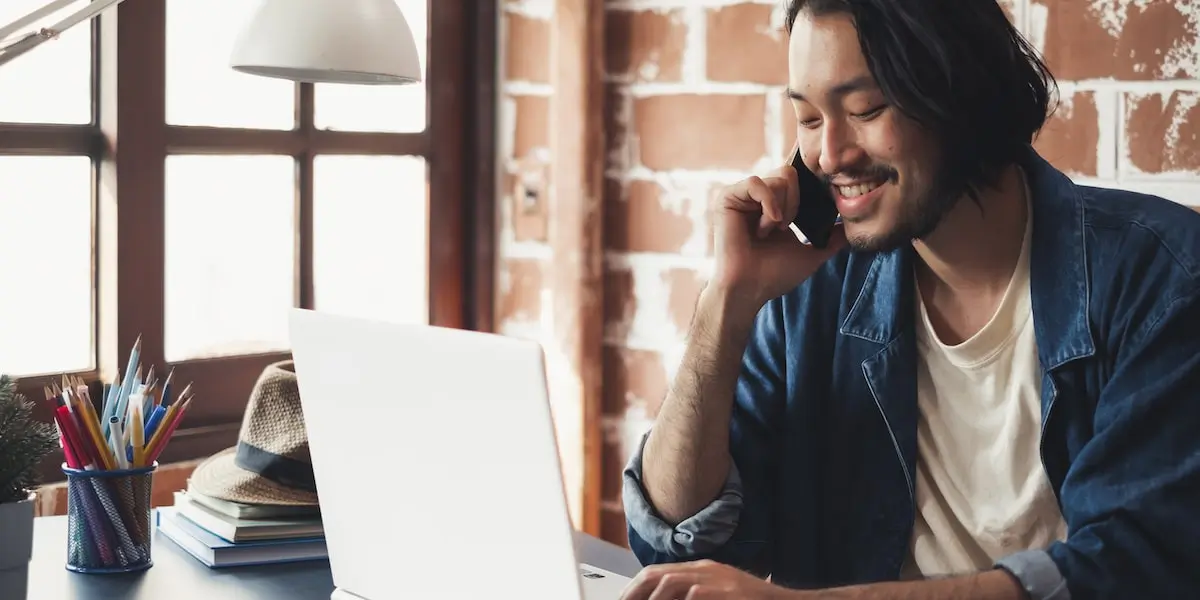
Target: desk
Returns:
[177, 576]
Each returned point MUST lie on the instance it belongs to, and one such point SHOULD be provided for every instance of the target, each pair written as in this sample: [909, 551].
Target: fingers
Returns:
[767, 196]
[673, 586]
[792, 197]
[773, 199]
[694, 580]
[656, 582]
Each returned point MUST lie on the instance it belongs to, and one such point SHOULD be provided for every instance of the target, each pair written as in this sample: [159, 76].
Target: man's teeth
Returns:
[853, 191]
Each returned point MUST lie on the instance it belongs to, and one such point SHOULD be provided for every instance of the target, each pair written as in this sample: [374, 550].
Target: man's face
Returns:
[882, 166]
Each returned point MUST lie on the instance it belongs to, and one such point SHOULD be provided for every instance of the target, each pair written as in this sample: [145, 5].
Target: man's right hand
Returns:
[686, 457]
[757, 256]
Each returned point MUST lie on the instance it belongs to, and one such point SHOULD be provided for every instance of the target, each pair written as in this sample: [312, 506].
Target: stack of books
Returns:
[220, 533]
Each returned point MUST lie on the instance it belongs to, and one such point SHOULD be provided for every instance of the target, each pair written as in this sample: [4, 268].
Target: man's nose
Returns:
[839, 148]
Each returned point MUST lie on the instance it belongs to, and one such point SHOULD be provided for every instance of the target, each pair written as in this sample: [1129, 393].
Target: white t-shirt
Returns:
[981, 490]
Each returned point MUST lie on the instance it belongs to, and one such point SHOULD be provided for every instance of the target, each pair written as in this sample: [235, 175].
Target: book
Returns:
[238, 510]
[215, 552]
[242, 530]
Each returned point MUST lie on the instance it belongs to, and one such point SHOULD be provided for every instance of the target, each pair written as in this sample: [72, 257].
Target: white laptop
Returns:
[436, 464]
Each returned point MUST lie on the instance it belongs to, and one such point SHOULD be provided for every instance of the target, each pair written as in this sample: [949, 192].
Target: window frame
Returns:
[129, 141]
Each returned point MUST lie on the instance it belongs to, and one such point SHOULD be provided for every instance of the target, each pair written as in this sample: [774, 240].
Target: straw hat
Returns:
[271, 463]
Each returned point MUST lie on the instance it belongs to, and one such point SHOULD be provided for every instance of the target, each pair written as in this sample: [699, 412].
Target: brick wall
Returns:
[694, 102]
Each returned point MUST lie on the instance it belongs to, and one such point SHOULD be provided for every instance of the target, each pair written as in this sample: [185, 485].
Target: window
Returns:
[171, 198]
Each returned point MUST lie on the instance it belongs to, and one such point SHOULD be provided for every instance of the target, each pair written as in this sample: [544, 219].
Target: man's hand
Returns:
[700, 580]
[708, 580]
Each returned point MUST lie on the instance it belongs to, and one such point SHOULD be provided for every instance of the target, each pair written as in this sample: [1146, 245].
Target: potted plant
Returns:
[24, 442]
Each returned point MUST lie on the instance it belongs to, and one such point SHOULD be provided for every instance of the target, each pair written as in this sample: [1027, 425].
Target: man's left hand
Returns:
[699, 580]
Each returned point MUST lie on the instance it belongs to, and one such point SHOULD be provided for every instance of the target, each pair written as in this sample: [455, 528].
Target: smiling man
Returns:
[987, 386]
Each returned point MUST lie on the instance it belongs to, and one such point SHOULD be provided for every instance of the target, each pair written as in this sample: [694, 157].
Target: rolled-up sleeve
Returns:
[697, 535]
[736, 527]
[1038, 575]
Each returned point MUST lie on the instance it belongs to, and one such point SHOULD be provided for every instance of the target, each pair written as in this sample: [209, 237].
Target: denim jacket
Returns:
[824, 429]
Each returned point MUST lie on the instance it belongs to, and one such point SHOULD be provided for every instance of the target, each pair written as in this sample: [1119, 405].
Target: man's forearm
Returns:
[686, 457]
[996, 584]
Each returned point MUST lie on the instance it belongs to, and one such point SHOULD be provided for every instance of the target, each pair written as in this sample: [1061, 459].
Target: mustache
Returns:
[869, 172]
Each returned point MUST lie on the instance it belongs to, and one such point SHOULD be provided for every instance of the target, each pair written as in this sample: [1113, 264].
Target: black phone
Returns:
[818, 213]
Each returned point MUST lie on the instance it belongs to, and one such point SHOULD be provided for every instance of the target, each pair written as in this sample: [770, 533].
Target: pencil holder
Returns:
[108, 520]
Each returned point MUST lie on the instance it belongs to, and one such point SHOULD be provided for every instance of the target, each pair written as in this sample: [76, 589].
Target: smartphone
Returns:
[818, 212]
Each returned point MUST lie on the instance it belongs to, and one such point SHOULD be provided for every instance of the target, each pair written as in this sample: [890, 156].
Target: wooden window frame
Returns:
[129, 141]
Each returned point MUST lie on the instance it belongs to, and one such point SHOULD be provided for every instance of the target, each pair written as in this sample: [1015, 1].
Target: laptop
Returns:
[436, 463]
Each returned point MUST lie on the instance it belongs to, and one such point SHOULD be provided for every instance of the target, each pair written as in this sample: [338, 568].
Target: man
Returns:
[987, 387]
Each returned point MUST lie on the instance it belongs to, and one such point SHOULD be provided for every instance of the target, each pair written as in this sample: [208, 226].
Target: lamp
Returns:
[340, 41]
[315, 41]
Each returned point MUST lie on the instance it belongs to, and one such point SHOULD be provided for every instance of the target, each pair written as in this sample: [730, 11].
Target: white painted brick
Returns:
[1107, 109]
[1145, 87]
[652, 325]
[508, 127]
[642, 90]
[527, 250]
[678, 176]
[514, 87]
[1034, 17]
[776, 144]
[642, 4]
[534, 9]
[695, 48]
[1020, 11]
[656, 261]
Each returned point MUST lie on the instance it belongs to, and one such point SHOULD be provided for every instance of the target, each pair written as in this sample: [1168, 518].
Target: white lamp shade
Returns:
[328, 41]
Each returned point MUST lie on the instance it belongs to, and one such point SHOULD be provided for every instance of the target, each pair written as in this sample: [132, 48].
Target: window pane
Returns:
[53, 82]
[378, 107]
[201, 88]
[370, 235]
[47, 326]
[230, 254]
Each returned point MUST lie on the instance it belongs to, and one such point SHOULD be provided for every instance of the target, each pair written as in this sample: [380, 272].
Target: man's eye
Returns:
[870, 114]
[809, 123]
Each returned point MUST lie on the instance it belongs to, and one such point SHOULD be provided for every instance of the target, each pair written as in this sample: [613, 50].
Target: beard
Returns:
[919, 214]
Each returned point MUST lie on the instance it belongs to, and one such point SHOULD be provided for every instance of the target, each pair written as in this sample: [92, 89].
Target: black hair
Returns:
[958, 68]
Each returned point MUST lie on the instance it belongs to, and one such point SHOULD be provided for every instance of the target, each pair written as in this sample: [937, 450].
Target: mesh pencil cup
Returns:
[108, 520]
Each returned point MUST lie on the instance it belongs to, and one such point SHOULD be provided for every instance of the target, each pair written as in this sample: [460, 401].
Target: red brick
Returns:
[1069, 138]
[633, 378]
[743, 45]
[685, 286]
[620, 305]
[613, 461]
[645, 45]
[527, 48]
[612, 527]
[1163, 132]
[521, 290]
[694, 131]
[1123, 40]
[636, 219]
[533, 125]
